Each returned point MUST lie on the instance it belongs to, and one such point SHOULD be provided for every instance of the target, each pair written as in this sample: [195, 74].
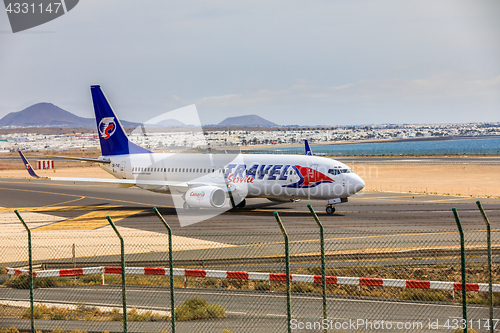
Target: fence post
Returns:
[462, 256]
[124, 284]
[490, 282]
[323, 273]
[171, 266]
[30, 262]
[287, 271]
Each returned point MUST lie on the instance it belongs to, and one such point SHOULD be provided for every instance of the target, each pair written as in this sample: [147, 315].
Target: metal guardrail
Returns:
[295, 258]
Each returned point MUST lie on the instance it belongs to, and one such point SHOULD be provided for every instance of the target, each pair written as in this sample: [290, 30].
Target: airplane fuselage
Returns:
[250, 175]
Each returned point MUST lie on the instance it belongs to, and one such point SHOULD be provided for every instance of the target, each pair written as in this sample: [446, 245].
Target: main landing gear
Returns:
[330, 209]
[242, 204]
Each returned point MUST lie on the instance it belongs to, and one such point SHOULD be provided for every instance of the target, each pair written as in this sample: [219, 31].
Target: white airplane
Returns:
[209, 180]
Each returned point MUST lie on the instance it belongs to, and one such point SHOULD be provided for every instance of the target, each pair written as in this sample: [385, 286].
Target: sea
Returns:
[459, 146]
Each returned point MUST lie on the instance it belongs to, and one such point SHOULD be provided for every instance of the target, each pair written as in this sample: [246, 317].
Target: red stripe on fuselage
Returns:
[317, 176]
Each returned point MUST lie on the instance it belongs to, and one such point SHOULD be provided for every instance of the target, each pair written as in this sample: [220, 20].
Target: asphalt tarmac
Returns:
[365, 212]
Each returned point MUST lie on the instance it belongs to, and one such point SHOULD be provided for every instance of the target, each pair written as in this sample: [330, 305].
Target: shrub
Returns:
[261, 285]
[115, 315]
[198, 308]
[9, 330]
[18, 282]
[38, 311]
[22, 282]
[302, 288]
[421, 295]
[58, 314]
[90, 279]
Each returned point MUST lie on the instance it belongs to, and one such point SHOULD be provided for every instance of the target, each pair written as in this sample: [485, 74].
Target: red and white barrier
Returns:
[45, 164]
[338, 280]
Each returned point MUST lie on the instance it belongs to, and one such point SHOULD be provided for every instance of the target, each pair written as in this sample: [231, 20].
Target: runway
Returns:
[85, 206]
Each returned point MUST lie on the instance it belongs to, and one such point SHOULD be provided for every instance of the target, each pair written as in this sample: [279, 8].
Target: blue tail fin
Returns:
[112, 136]
[308, 150]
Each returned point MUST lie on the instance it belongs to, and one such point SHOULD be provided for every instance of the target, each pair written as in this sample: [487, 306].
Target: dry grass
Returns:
[83, 312]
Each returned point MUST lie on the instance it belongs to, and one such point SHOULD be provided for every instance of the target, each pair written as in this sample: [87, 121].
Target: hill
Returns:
[49, 115]
[247, 121]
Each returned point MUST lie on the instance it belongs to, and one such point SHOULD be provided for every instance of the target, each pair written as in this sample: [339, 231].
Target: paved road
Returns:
[254, 311]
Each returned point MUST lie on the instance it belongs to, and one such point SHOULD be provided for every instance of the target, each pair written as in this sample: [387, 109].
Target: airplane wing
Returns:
[121, 182]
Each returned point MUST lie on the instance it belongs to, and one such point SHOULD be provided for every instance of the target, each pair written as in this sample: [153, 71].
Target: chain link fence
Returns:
[407, 279]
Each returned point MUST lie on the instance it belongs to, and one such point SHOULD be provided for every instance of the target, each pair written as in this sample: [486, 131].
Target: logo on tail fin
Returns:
[107, 127]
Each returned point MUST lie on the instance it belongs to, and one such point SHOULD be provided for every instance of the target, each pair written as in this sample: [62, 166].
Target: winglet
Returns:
[308, 150]
[28, 165]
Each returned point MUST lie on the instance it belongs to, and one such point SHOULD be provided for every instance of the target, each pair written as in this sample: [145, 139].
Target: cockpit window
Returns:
[334, 171]
[339, 171]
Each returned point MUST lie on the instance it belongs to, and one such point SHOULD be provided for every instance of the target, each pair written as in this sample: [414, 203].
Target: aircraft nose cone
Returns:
[355, 184]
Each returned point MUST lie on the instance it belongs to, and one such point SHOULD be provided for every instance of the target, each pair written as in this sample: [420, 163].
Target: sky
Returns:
[341, 62]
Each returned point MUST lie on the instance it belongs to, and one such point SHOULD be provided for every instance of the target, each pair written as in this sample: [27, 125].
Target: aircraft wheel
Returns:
[330, 209]
[186, 206]
[242, 204]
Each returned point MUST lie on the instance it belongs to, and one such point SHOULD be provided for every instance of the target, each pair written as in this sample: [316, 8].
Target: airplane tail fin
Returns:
[308, 150]
[112, 136]
[28, 165]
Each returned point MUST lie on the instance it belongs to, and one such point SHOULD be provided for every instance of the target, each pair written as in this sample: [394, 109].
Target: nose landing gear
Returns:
[330, 209]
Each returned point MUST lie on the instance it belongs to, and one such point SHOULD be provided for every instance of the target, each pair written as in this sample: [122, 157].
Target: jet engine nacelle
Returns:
[205, 197]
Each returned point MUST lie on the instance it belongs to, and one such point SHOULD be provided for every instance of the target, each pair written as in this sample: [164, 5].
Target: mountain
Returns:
[49, 115]
[170, 123]
[248, 121]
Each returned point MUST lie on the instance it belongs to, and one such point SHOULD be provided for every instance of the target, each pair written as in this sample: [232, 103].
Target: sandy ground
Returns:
[450, 179]
[103, 241]
[81, 172]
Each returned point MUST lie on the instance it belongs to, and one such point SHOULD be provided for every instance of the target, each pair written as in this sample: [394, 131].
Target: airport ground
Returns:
[62, 214]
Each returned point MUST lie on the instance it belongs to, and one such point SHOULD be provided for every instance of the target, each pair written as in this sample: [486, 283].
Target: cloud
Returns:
[443, 86]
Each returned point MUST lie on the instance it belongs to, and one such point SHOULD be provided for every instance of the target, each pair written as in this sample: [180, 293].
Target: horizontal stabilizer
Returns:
[83, 159]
